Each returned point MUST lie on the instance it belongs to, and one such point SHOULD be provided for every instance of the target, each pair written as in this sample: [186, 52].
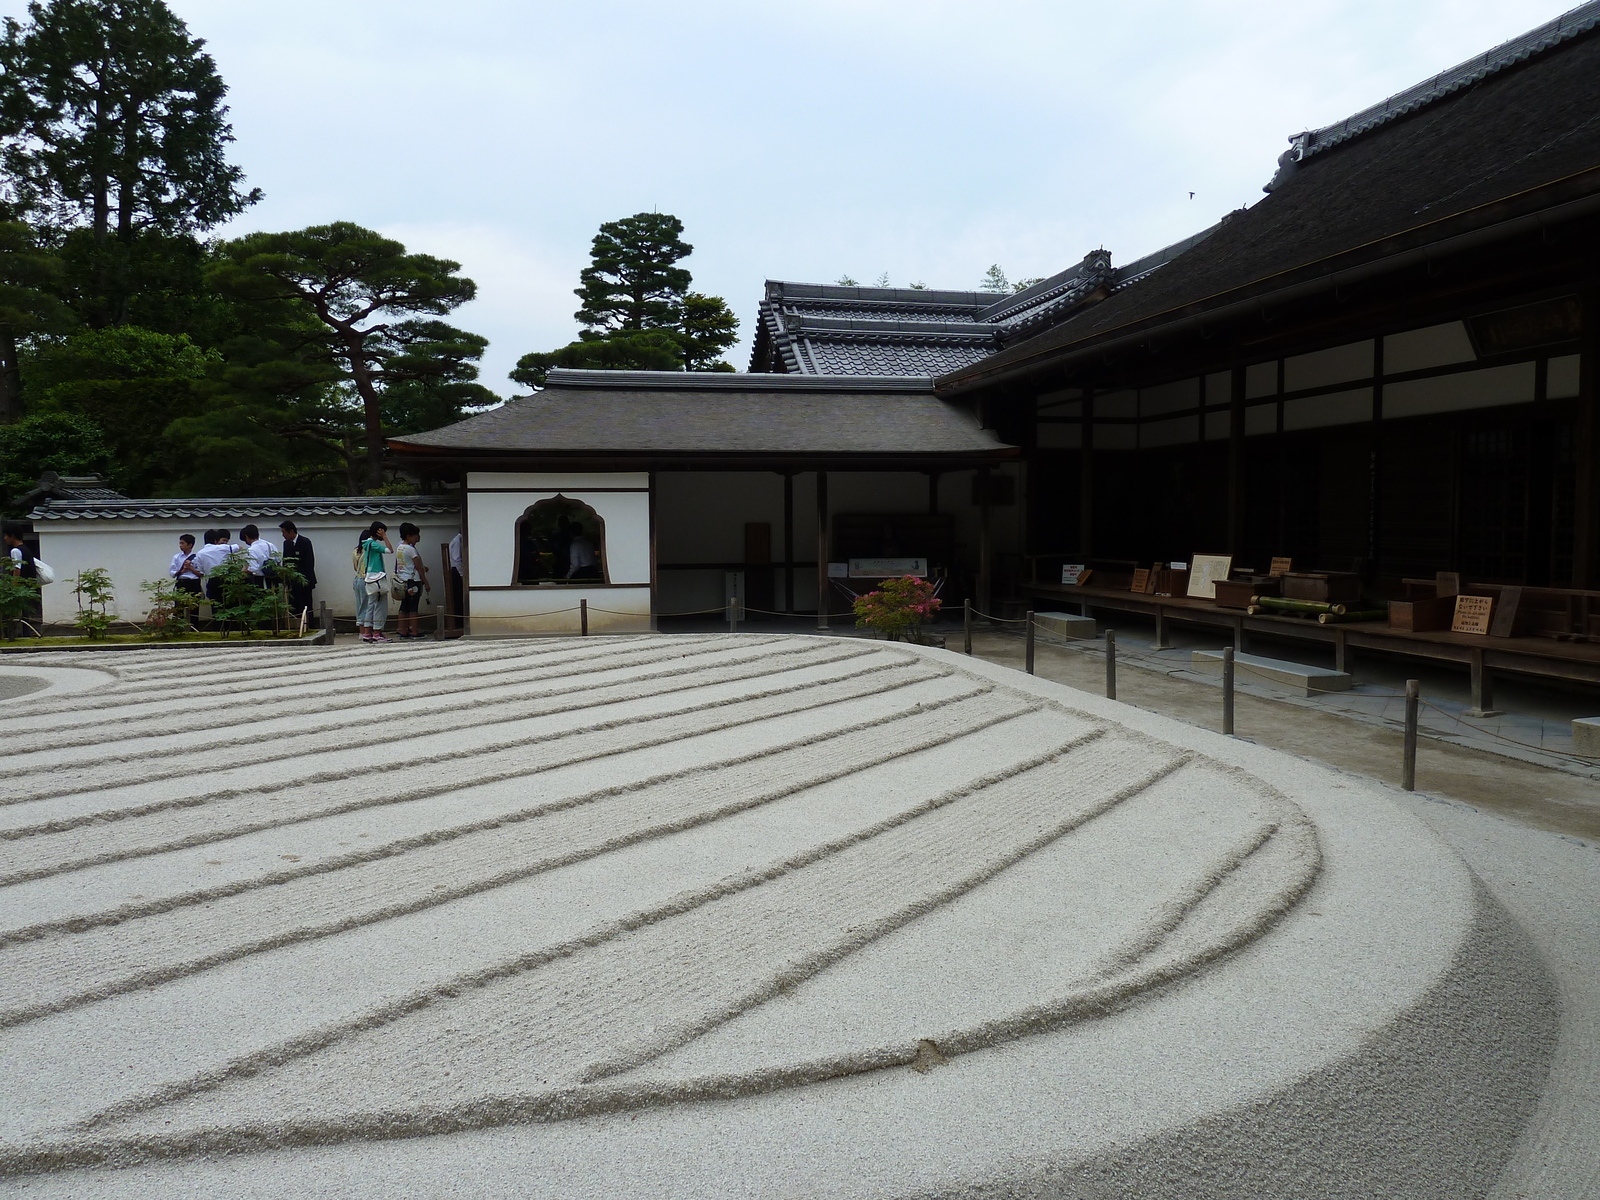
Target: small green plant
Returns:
[17, 599]
[244, 602]
[898, 608]
[171, 612]
[95, 594]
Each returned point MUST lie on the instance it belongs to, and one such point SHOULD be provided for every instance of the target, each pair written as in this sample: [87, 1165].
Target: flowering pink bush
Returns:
[897, 608]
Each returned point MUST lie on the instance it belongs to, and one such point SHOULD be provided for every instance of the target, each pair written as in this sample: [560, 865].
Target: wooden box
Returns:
[1172, 583]
[1329, 587]
[1422, 615]
[1236, 593]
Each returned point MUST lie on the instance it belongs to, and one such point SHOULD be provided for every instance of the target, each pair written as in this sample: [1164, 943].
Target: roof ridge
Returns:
[733, 381]
[1509, 53]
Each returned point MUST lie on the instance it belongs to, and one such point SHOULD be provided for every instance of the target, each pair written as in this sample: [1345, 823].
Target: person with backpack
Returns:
[411, 579]
[372, 582]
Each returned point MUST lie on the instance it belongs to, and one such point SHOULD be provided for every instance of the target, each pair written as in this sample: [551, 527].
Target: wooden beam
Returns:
[1586, 435]
[822, 552]
[1236, 461]
[984, 583]
[1086, 479]
[788, 541]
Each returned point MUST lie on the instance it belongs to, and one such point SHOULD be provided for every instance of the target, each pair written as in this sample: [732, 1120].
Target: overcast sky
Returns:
[798, 140]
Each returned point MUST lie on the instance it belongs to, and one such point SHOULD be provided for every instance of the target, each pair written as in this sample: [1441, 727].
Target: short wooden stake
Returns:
[1408, 770]
[966, 624]
[583, 618]
[1161, 630]
[1111, 664]
[1227, 690]
[733, 614]
[1027, 652]
[327, 625]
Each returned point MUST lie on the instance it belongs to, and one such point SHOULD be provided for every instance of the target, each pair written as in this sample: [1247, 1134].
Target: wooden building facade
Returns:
[1388, 364]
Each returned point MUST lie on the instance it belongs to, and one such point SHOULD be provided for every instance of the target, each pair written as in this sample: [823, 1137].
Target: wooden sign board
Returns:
[1154, 583]
[1204, 571]
[1447, 583]
[1281, 566]
[1141, 580]
[1505, 613]
[1472, 614]
[1074, 574]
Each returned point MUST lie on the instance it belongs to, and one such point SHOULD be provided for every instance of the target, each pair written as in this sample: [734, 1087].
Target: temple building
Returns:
[1384, 368]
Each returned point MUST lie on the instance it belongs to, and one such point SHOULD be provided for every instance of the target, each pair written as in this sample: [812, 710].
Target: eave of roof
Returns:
[241, 507]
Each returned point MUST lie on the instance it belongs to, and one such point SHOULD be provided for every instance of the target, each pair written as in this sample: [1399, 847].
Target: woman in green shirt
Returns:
[372, 582]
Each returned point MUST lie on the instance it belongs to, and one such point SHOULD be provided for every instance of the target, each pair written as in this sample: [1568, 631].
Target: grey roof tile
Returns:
[242, 508]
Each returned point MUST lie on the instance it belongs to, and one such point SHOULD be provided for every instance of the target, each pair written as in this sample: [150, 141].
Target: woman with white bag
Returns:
[371, 582]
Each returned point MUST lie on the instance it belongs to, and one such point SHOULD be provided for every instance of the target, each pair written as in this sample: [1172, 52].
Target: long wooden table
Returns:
[1572, 662]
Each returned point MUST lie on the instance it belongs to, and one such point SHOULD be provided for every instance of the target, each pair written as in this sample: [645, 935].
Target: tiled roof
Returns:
[816, 329]
[1449, 160]
[68, 487]
[1552, 33]
[244, 508]
[676, 413]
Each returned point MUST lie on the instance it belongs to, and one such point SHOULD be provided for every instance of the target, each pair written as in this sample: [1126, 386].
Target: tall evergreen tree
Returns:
[706, 328]
[349, 279]
[112, 122]
[631, 283]
[30, 276]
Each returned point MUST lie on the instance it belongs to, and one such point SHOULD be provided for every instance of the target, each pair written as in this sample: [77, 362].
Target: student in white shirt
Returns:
[185, 575]
[259, 554]
[211, 556]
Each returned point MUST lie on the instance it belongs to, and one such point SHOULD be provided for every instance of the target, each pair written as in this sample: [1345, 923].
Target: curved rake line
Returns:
[420, 903]
[865, 934]
[569, 1102]
[98, 702]
[402, 735]
[867, 687]
[329, 667]
[51, 826]
[355, 714]
[226, 713]
[313, 1042]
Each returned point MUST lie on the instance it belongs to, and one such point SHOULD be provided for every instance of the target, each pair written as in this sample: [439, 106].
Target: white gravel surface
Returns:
[728, 916]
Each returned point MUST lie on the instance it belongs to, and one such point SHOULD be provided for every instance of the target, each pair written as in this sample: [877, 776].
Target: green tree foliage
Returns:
[129, 382]
[112, 120]
[706, 328]
[350, 279]
[638, 311]
[61, 442]
[30, 279]
[94, 591]
[631, 282]
[994, 280]
[653, 350]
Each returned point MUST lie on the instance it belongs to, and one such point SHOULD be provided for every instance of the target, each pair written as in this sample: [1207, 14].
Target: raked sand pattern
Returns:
[284, 898]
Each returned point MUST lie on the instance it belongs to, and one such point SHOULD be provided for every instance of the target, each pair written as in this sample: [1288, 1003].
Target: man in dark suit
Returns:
[297, 552]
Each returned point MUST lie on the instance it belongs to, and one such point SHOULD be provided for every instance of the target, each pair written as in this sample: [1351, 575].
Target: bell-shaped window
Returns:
[561, 541]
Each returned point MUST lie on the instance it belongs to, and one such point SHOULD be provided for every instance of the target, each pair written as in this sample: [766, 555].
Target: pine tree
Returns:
[112, 122]
[631, 283]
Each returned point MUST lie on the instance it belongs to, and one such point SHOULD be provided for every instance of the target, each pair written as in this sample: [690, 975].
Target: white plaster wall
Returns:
[135, 549]
[498, 607]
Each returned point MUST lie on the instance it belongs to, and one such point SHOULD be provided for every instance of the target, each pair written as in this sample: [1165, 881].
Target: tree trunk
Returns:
[10, 381]
[362, 378]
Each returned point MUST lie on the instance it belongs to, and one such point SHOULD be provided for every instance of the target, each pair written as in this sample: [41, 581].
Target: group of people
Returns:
[195, 570]
[374, 583]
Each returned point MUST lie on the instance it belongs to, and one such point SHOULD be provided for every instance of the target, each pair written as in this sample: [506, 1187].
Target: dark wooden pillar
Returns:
[933, 491]
[655, 581]
[1375, 463]
[788, 541]
[1086, 480]
[1586, 435]
[1236, 462]
[822, 551]
[985, 597]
